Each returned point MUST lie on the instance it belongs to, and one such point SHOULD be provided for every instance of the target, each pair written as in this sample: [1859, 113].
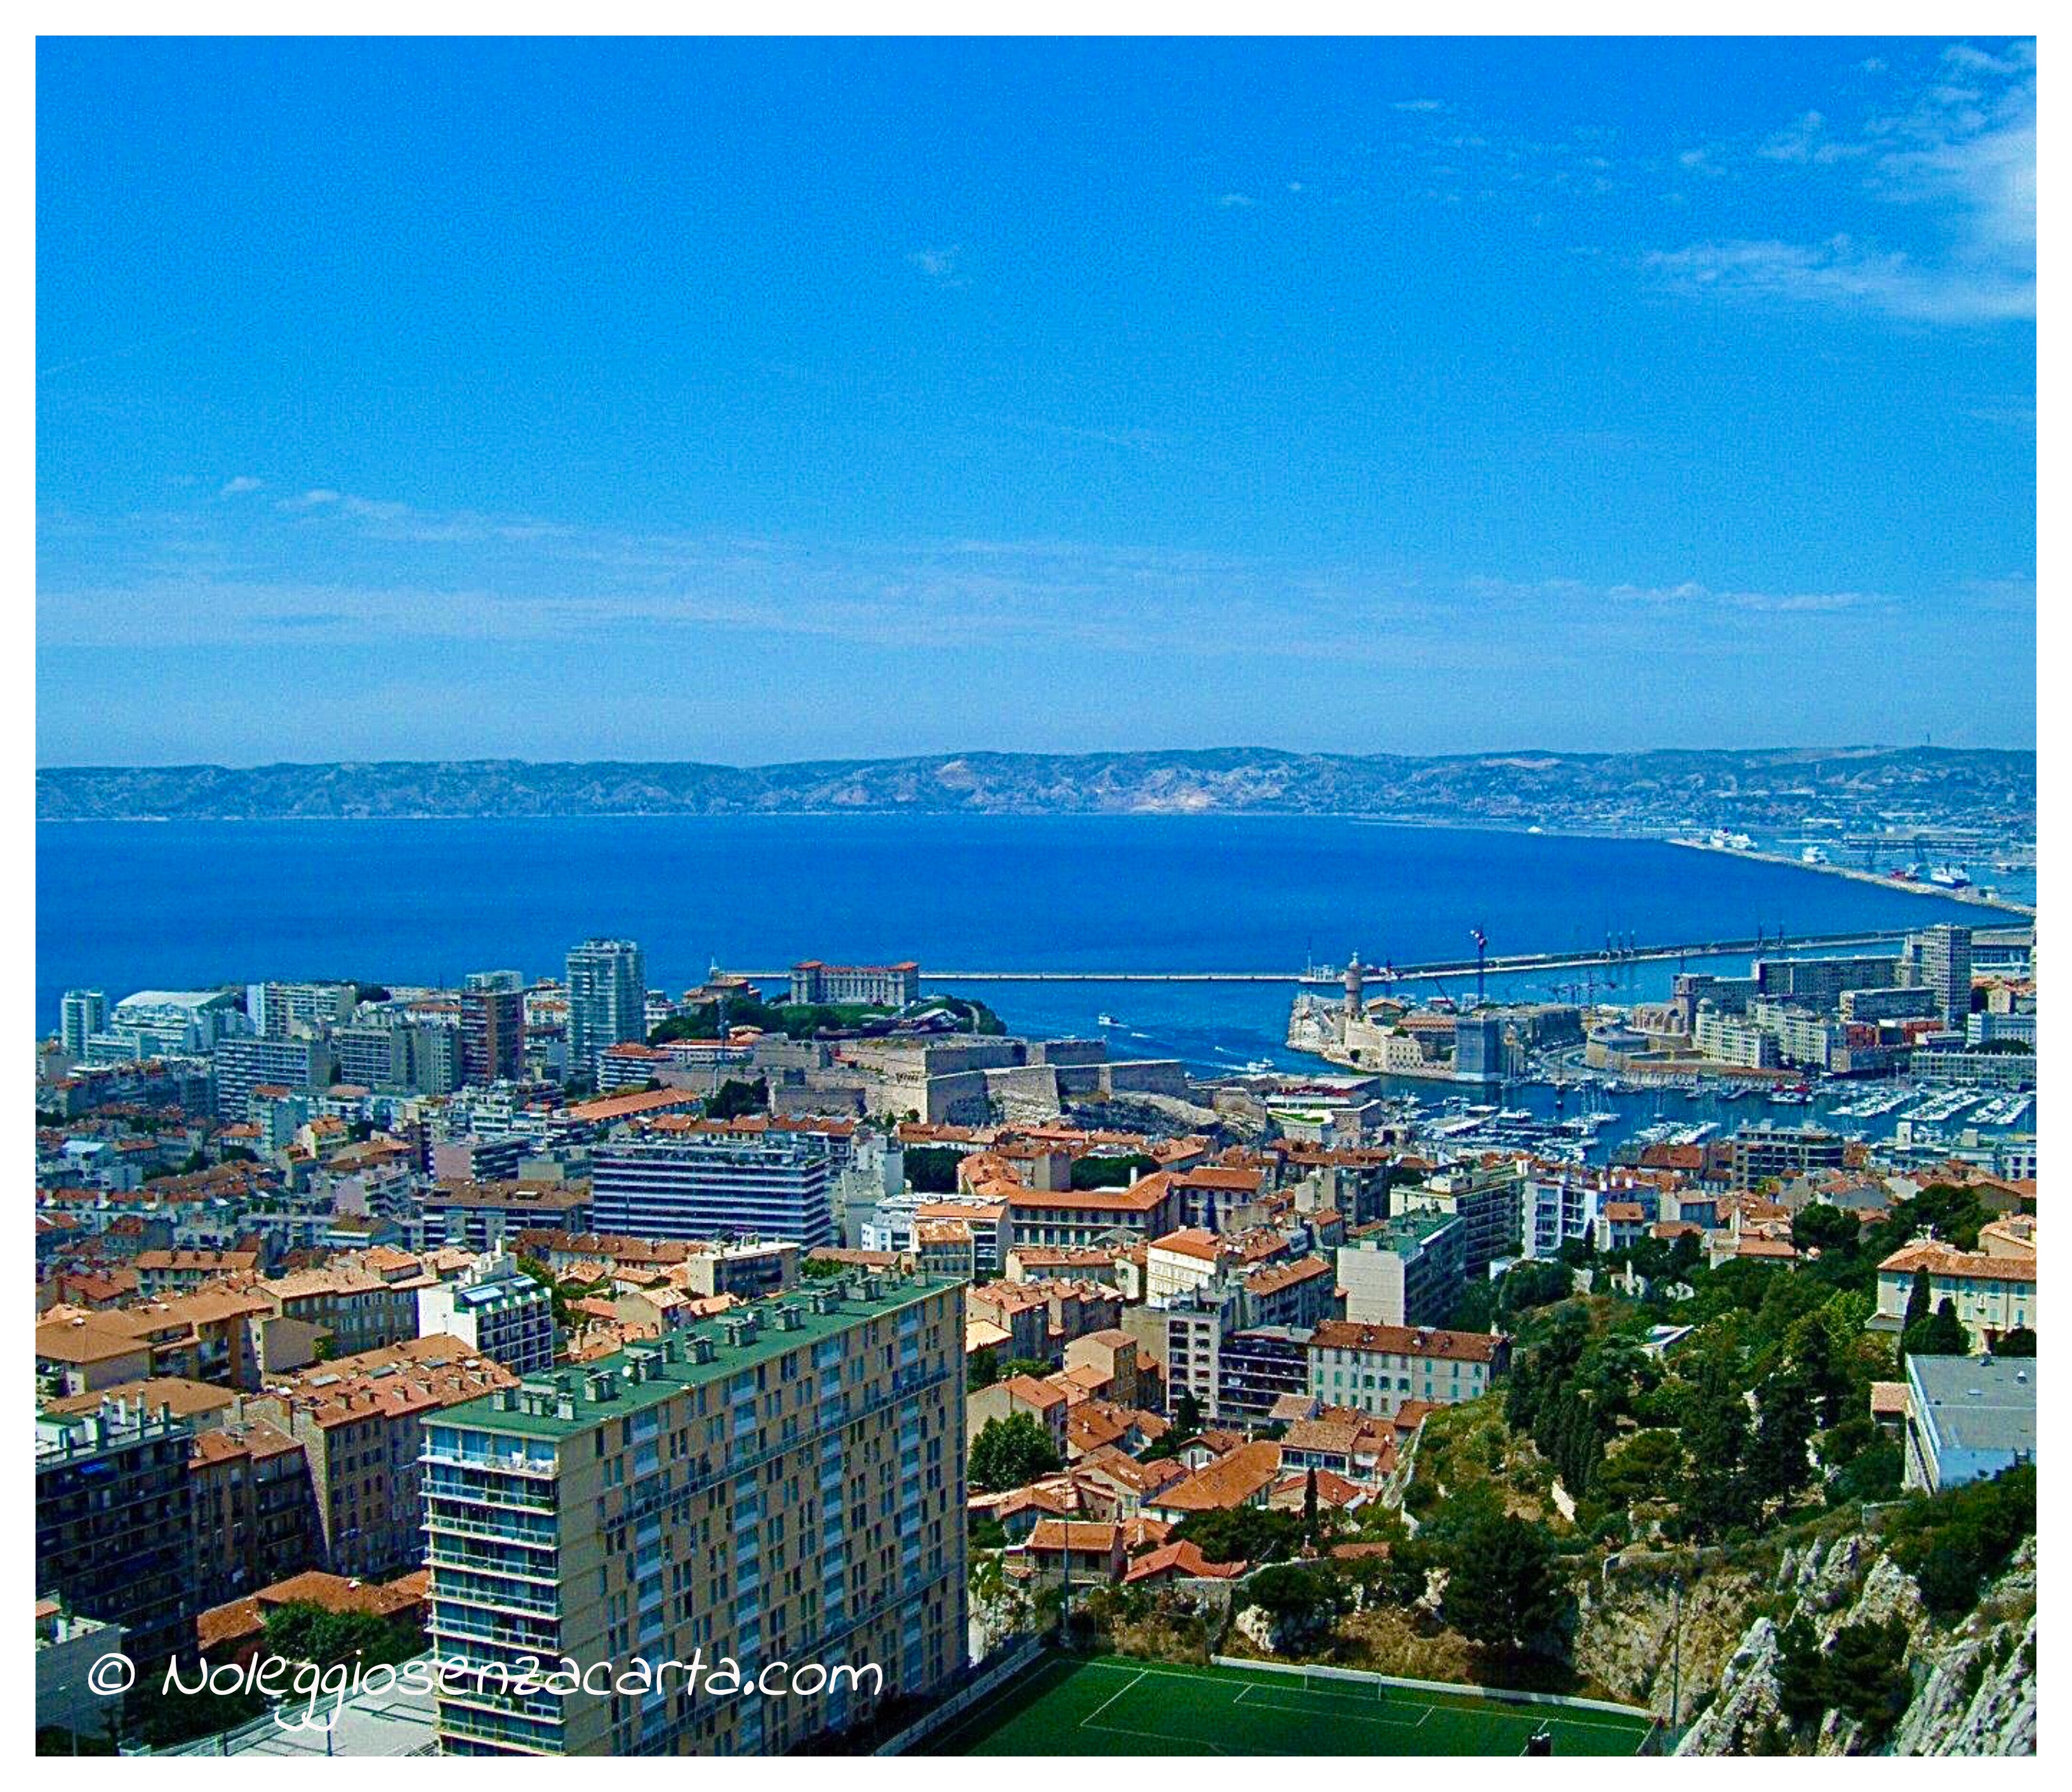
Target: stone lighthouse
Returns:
[1356, 988]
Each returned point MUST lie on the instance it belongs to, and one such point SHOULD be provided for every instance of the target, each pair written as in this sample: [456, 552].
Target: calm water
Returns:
[127, 905]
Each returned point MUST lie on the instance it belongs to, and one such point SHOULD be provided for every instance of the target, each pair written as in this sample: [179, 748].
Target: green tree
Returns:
[1187, 1416]
[1862, 1673]
[981, 1371]
[1777, 1463]
[1301, 1598]
[304, 1631]
[932, 1168]
[1919, 1301]
[1502, 1588]
[1240, 1534]
[1646, 1466]
[2021, 1342]
[1819, 1364]
[1011, 1452]
[1942, 1333]
[1954, 1542]
[1527, 1285]
[1716, 1443]
[1309, 1506]
[1820, 1226]
[1110, 1172]
[733, 1098]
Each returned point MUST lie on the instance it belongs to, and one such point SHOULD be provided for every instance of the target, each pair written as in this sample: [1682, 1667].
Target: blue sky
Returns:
[747, 402]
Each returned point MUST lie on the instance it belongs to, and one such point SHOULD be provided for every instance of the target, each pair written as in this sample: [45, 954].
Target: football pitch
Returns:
[1109, 1705]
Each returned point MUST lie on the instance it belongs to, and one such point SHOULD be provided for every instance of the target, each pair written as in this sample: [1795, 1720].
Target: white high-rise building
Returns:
[607, 1001]
[83, 1013]
[1945, 961]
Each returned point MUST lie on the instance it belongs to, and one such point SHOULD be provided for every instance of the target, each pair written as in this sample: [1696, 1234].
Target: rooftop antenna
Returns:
[1482, 950]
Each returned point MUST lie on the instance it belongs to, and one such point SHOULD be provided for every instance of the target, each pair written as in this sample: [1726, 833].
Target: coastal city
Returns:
[1093, 892]
[449, 1324]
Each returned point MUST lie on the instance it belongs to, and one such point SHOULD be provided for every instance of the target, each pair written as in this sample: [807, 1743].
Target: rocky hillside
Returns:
[1742, 1636]
[1615, 791]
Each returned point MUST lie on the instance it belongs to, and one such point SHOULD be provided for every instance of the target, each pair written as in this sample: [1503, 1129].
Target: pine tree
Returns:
[1917, 1300]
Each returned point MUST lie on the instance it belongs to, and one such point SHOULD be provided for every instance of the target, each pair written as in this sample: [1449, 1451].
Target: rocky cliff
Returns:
[1973, 1683]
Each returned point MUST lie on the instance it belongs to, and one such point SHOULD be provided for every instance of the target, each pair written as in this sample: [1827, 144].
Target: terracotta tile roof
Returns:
[1140, 1478]
[1230, 1481]
[1183, 1559]
[187, 1398]
[1143, 1197]
[1189, 1241]
[1947, 1259]
[1083, 1536]
[1032, 1392]
[1339, 1334]
[608, 1109]
[1275, 1277]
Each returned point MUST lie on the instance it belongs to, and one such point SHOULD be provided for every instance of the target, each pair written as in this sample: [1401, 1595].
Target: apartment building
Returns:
[484, 1216]
[1730, 1039]
[1488, 1199]
[1406, 1273]
[785, 1481]
[1257, 1368]
[1993, 1294]
[398, 1058]
[254, 1510]
[1756, 1152]
[1377, 1368]
[715, 1186]
[1939, 959]
[1820, 983]
[244, 1065]
[1148, 1209]
[497, 1310]
[607, 998]
[360, 1421]
[82, 1013]
[359, 1308]
[113, 1536]
[492, 1026]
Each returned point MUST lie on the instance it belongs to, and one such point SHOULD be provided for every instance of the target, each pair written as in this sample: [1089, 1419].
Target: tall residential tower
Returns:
[607, 1000]
[783, 1483]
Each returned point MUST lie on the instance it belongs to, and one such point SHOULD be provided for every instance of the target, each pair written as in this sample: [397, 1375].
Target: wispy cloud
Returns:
[1808, 139]
[1956, 159]
[238, 487]
[1842, 271]
[1233, 202]
[346, 569]
[940, 264]
[1686, 595]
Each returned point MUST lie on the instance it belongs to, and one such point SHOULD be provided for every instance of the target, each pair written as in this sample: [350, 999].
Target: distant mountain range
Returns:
[1625, 792]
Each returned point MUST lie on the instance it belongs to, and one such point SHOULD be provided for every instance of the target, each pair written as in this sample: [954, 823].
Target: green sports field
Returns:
[1110, 1705]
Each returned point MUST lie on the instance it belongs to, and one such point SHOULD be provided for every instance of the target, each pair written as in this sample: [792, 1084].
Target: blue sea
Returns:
[122, 906]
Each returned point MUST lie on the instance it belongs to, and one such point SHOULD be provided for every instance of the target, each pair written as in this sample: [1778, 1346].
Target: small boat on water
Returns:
[1109, 1020]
